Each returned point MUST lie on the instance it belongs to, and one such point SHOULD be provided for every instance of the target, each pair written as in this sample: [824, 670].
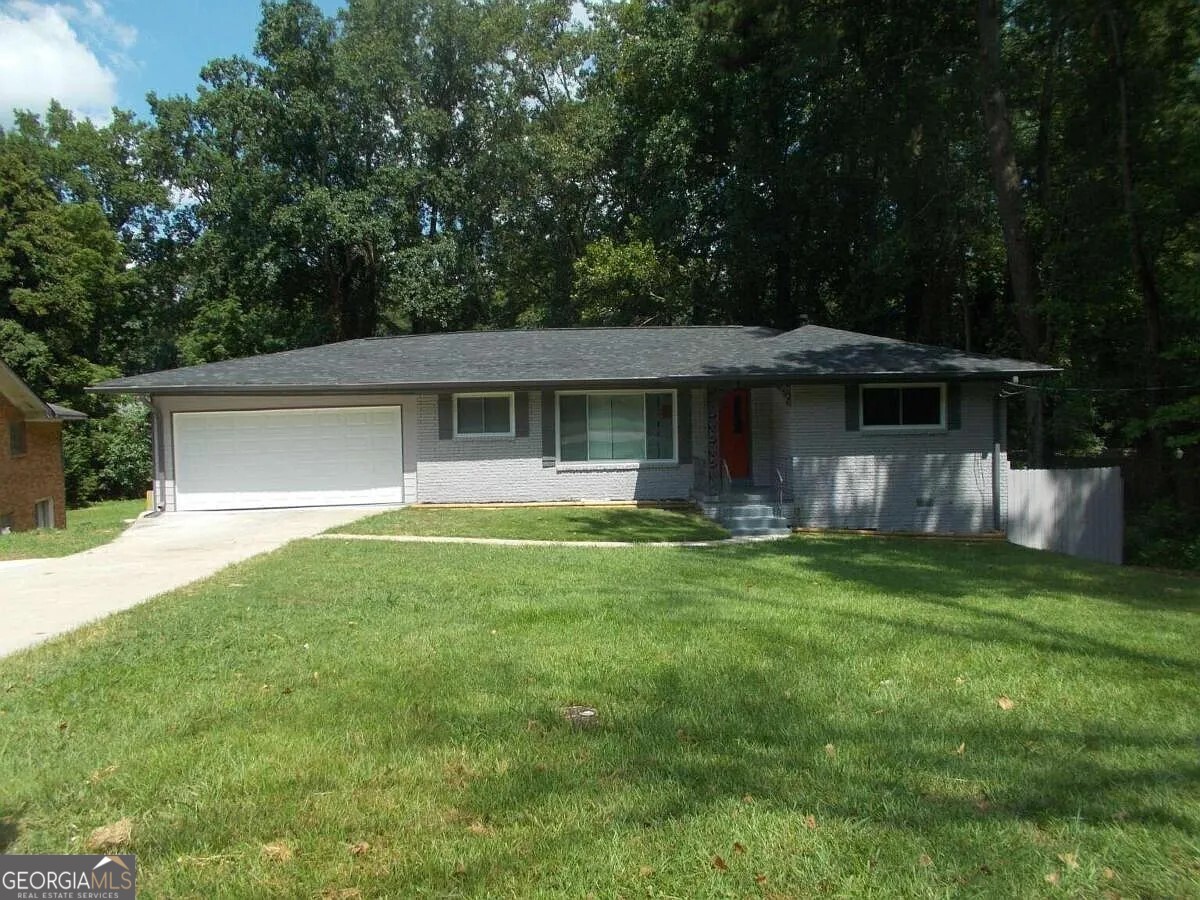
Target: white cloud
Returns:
[69, 52]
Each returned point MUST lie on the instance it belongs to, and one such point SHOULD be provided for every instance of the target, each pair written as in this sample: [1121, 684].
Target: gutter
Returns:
[731, 378]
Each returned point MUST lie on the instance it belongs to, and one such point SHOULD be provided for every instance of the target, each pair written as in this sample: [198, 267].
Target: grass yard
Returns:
[549, 523]
[87, 527]
[821, 715]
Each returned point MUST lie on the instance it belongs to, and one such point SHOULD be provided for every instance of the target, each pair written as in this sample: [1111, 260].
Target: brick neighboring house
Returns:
[32, 490]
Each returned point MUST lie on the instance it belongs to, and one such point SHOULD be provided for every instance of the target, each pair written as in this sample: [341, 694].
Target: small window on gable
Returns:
[904, 406]
[484, 415]
[18, 441]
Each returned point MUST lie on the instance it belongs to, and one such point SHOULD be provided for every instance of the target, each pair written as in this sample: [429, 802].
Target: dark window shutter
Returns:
[549, 439]
[954, 406]
[683, 418]
[852, 400]
[445, 416]
[521, 412]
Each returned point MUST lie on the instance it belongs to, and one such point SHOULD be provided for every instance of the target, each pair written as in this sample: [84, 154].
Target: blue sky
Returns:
[92, 55]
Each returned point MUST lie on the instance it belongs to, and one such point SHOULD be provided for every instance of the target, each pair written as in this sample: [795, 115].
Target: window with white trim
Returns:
[484, 415]
[903, 406]
[617, 426]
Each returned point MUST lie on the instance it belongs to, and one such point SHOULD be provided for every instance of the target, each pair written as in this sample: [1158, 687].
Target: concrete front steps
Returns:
[749, 514]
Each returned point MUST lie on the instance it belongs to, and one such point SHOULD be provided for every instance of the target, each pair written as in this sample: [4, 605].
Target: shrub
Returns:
[1165, 535]
[108, 458]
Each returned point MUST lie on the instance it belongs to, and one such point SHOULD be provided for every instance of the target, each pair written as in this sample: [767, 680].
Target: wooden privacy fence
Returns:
[1075, 511]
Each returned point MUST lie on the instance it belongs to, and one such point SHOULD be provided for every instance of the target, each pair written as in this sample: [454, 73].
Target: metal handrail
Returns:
[781, 482]
[726, 479]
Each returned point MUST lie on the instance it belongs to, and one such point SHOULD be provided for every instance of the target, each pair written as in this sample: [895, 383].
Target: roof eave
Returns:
[66, 414]
[704, 377]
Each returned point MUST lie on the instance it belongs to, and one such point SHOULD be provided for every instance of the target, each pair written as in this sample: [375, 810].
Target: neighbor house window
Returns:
[904, 406]
[484, 415]
[17, 441]
[622, 426]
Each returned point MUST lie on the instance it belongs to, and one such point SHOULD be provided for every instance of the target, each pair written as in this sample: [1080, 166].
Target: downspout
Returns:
[156, 442]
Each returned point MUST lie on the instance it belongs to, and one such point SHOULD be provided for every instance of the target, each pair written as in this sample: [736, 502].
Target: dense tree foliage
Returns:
[1001, 177]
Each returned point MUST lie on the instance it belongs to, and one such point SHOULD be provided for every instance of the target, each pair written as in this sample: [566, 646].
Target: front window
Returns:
[617, 426]
[483, 415]
[904, 406]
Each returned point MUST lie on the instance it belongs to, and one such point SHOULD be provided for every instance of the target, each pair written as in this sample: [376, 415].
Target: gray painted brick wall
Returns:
[937, 481]
[510, 469]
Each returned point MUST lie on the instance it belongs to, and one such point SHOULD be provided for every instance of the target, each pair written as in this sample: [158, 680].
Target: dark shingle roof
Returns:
[65, 412]
[31, 406]
[575, 356]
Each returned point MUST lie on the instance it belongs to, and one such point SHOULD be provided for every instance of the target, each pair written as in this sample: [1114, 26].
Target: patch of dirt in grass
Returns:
[457, 774]
[481, 829]
[201, 862]
[277, 851]
[113, 836]
[100, 775]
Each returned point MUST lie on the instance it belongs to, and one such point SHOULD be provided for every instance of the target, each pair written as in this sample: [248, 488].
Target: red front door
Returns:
[734, 422]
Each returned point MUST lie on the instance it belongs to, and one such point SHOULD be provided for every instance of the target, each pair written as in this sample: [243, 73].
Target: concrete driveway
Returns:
[41, 598]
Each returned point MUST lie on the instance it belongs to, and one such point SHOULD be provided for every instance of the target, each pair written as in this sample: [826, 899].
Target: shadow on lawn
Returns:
[711, 734]
[9, 830]
[900, 770]
[926, 572]
[736, 734]
[924, 568]
[644, 524]
[688, 732]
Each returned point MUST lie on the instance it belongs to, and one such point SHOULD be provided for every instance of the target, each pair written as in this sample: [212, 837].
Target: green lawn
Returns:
[550, 523]
[86, 528]
[820, 715]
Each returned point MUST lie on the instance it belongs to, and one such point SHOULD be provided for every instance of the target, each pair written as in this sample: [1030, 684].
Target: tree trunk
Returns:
[1006, 179]
[785, 310]
[1045, 118]
[336, 297]
[1143, 263]
[965, 305]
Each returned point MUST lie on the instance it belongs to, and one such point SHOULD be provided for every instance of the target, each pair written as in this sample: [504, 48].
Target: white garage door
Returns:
[288, 457]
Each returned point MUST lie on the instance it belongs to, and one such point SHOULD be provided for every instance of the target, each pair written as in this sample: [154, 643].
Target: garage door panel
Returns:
[305, 457]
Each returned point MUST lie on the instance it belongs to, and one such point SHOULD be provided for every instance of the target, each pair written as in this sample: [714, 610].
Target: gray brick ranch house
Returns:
[839, 429]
